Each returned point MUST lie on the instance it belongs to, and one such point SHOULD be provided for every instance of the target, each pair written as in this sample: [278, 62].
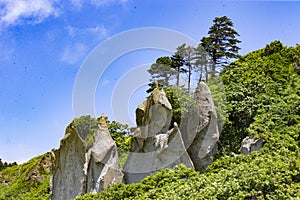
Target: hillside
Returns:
[263, 101]
[27, 181]
[262, 90]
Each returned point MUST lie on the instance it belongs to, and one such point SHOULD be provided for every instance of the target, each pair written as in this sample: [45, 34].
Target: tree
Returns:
[165, 69]
[5, 164]
[161, 71]
[152, 86]
[177, 65]
[120, 134]
[181, 102]
[201, 60]
[221, 43]
[187, 53]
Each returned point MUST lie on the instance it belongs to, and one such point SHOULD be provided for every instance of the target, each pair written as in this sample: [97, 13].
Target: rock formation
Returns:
[67, 169]
[154, 146]
[78, 170]
[200, 128]
[102, 164]
[249, 144]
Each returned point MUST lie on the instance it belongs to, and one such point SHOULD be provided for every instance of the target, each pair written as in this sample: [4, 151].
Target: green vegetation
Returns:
[27, 181]
[221, 43]
[120, 134]
[262, 91]
[257, 176]
[161, 71]
[263, 99]
[212, 53]
[180, 100]
[86, 126]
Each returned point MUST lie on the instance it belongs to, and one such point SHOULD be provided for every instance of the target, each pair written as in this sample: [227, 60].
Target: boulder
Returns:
[154, 146]
[249, 144]
[78, 170]
[200, 129]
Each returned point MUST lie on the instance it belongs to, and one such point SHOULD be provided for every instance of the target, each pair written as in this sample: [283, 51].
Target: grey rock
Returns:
[200, 129]
[102, 165]
[249, 144]
[67, 171]
[154, 146]
[78, 170]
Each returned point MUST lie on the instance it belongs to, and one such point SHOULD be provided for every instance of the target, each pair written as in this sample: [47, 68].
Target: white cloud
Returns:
[98, 3]
[74, 53]
[26, 11]
[14, 12]
[107, 2]
[98, 31]
[87, 37]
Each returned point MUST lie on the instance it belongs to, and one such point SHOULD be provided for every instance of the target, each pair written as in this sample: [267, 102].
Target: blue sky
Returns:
[44, 42]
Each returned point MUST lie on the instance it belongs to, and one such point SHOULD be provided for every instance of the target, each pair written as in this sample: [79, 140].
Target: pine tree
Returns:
[221, 43]
[178, 65]
[161, 71]
[187, 53]
[201, 62]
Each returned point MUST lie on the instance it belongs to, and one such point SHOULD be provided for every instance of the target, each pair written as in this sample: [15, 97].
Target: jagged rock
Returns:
[249, 144]
[68, 175]
[154, 146]
[200, 129]
[102, 165]
[155, 114]
[78, 170]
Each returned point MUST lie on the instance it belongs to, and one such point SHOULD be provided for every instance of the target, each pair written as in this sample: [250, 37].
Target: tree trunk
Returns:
[201, 70]
[189, 80]
[177, 76]
[206, 73]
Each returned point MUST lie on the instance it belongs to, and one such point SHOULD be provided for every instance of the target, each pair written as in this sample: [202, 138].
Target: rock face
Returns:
[250, 144]
[77, 170]
[68, 175]
[154, 146]
[200, 129]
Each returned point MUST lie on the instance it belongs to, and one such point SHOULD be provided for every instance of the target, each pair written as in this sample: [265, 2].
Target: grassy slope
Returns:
[27, 181]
